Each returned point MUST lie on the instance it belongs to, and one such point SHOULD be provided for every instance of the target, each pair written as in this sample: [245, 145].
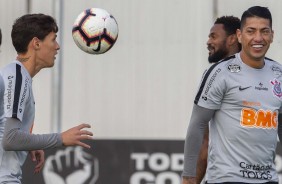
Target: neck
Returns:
[252, 62]
[233, 50]
[28, 62]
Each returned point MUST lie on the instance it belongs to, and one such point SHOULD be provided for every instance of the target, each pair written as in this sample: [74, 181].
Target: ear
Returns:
[239, 35]
[232, 39]
[35, 43]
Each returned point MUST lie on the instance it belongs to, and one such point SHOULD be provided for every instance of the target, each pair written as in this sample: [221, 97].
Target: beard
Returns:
[217, 56]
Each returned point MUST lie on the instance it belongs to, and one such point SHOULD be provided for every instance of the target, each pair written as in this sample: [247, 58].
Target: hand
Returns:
[71, 166]
[188, 180]
[38, 157]
[73, 136]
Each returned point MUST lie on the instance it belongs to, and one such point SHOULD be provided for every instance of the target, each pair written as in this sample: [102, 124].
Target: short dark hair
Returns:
[29, 26]
[256, 11]
[230, 23]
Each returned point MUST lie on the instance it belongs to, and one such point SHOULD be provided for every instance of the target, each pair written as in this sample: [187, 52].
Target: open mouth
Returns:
[211, 50]
[257, 46]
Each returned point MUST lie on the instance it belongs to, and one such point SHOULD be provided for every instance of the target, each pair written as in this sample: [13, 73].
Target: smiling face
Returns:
[255, 36]
[216, 43]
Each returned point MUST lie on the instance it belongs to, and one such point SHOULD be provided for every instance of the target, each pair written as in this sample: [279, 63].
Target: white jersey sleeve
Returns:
[212, 88]
[18, 92]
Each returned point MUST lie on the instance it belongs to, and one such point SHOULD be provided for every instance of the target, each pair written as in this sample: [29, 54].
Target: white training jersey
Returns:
[243, 131]
[18, 103]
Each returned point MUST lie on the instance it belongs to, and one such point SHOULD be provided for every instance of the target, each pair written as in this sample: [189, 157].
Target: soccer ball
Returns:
[95, 31]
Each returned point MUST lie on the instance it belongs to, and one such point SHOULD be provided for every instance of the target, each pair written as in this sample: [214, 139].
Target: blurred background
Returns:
[143, 88]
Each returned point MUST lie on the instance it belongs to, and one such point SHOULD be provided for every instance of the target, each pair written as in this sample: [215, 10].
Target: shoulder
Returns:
[12, 69]
[9, 72]
[13, 73]
[227, 65]
[274, 66]
[272, 62]
[9, 69]
[268, 59]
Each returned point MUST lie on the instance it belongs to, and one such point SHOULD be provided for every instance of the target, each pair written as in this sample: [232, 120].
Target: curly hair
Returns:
[230, 23]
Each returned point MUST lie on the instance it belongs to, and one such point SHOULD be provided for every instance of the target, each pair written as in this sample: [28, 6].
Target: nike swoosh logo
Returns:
[241, 89]
[99, 45]
[100, 40]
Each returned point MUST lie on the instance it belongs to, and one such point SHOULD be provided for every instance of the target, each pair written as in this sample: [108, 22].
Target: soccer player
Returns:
[241, 96]
[34, 38]
[222, 43]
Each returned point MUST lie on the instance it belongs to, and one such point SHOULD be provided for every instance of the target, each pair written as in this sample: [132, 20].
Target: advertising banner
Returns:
[116, 162]
[111, 162]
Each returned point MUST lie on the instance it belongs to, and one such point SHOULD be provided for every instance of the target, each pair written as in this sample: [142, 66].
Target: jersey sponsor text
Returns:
[212, 80]
[9, 91]
[255, 171]
[258, 119]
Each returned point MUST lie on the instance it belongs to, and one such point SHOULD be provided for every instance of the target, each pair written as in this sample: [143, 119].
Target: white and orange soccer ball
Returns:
[95, 31]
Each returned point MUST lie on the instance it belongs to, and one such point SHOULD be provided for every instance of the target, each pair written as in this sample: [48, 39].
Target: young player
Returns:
[34, 38]
[241, 97]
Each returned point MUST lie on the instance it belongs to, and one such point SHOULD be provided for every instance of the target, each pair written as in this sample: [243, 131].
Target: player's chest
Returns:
[263, 91]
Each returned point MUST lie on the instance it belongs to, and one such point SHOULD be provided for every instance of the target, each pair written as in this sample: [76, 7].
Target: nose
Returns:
[209, 41]
[258, 37]
[58, 46]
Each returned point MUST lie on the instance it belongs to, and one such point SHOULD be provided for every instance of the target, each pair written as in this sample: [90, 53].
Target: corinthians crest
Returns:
[234, 68]
[276, 88]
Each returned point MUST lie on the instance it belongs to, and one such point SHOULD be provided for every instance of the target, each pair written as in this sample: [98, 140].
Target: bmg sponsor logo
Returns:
[252, 118]
[156, 168]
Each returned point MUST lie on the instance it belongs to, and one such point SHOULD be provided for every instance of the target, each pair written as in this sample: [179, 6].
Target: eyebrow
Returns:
[260, 28]
[212, 33]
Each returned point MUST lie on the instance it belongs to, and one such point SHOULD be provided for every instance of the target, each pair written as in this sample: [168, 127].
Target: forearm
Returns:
[197, 126]
[202, 160]
[16, 140]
